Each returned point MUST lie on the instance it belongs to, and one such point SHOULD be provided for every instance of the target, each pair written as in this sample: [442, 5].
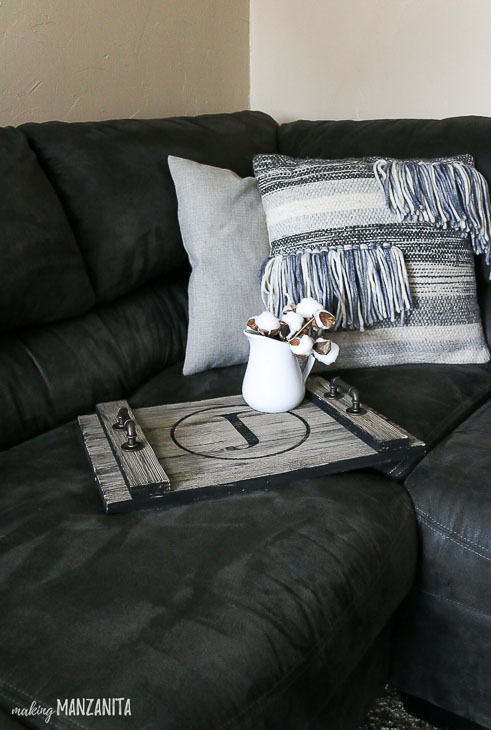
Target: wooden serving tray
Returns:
[215, 447]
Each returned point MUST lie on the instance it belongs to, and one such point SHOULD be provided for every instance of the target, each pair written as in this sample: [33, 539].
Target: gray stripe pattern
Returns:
[315, 208]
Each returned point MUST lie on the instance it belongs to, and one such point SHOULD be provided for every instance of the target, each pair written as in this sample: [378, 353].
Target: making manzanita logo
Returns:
[78, 706]
[34, 709]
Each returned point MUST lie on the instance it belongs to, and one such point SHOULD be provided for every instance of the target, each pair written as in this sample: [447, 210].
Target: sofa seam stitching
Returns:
[454, 602]
[457, 542]
[452, 532]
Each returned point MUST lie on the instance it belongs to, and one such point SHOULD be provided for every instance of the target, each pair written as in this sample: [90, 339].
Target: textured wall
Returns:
[362, 59]
[99, 59]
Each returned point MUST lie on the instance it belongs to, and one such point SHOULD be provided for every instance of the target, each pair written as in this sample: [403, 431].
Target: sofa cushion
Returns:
[115, 184]
[8, 722]
[444, 637]
[42, 274]
[248, 611]
[404, 138]
[427, 400]
[52, 373]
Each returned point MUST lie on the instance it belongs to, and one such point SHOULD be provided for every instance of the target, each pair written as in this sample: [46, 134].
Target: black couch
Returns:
[284, 608]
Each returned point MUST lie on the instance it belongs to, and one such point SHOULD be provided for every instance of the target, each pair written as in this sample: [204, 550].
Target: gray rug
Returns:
[388, 713]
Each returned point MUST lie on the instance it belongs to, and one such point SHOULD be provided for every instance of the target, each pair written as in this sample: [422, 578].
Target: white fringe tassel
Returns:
[361, 285]
[444, 194]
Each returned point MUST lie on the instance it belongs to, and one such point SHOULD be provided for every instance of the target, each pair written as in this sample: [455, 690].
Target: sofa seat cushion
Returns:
[427, 400]
[444, 643]
[248, 611]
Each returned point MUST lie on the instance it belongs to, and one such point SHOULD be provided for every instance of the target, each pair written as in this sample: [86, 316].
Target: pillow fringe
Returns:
[447, 194]
[361, 284]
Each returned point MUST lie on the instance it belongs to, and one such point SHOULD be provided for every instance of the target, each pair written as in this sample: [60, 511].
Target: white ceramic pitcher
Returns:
[274, 381]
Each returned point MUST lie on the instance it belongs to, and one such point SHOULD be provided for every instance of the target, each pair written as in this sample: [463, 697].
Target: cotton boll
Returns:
[294, 321]
[308, 306]
[322, 346]
[267, 323]
[324, 320]
[330, 356]
[302, 346]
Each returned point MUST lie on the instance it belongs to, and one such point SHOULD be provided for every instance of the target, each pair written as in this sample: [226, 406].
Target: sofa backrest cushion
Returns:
[403, 138]
[53, 373]
[391, 138]
[42, 273]
[113, 185]
[114, 182]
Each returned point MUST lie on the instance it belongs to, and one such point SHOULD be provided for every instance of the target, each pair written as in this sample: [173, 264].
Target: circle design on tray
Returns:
[244, 433]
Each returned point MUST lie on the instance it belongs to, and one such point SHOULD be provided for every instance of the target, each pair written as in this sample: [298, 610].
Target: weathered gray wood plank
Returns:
[109, 478]
[220, 445]
[379, 431]
[223, 441]
[140, 467]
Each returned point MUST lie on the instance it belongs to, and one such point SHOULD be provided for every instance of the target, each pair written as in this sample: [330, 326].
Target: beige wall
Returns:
[99, 59]
[363, 59]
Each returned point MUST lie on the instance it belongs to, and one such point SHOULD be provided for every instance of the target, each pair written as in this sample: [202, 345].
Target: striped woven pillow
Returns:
[375, 243]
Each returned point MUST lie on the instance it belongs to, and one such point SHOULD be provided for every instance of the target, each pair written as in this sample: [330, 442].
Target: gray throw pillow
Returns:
[224, 232]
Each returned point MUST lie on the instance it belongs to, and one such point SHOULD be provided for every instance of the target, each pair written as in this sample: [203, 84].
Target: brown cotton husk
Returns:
[322, 347]
[324, 320]
[284, 330]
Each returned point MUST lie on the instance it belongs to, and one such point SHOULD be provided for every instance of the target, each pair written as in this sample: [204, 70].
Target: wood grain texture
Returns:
[139, 467]
[223, 441]
[371, 426]
[110, 481]
[219, 446]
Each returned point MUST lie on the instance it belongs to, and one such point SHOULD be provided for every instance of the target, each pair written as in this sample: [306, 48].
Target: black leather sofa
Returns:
[284, 608]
